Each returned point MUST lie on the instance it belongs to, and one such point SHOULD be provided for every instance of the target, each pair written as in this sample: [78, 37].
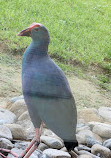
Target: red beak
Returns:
[27, 31]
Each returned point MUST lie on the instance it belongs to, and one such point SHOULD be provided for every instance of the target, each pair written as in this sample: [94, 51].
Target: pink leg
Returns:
[2, 155]
[8, 151]
[33, 146]
[30, 149]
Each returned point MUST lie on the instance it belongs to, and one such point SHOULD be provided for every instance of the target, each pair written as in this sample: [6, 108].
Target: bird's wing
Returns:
[46, 79]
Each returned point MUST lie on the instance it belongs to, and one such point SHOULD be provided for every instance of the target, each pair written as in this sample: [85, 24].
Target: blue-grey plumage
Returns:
[45, 88]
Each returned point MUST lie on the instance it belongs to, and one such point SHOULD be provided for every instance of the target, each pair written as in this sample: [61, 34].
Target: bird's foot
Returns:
[7, 151]
[30, 149]
[27, 152]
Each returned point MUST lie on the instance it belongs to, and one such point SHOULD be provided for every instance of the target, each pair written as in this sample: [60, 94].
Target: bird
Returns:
[46, 91]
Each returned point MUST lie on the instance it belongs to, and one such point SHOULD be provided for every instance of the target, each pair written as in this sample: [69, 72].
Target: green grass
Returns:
[80, 30]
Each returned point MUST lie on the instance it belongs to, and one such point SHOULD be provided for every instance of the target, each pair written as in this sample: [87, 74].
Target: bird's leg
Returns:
[7, 151]
[33, 145]
[30, 149]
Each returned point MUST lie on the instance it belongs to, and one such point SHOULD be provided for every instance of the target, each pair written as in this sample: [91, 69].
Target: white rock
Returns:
[17, 98]
[24, 116]
[89, 114]
[48, 132]
[38, 154]
[5, 143]
[54, 153]
[83, 128]
[83, 152]
[7, 116]
[103, 130]
[81, 136]
[15, 150]
[88, 137]
[17, 131]
[84, 156]
[42, 146]
[5, 132]
[92, 124]
[99, 149]
[52, 142]
[21, 144]
[35, 154]
[18, 108]
[107, 143]
[28, 127]
[105, 113]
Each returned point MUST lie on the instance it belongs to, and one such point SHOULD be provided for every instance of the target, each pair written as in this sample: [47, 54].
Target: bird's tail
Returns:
[71, 145]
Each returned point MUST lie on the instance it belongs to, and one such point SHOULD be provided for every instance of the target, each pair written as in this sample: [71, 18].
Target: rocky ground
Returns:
[93, 133]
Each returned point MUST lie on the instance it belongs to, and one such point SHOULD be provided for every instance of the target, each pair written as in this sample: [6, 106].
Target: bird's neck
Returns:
[37, 48]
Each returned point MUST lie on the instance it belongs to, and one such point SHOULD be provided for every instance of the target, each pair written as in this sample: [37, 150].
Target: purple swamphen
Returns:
[46, 91]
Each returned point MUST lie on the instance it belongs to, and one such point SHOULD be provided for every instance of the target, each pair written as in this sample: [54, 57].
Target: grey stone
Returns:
[97, 138]
[107, 143]
[21, 144]
[52, 142]
[83, 152]
[5, 132]
[64, 149]
[35, 154]
[5, 143]
[83, 147]
[28, 128]
[101, 151]
[90, 141]
[103, 130]
[89, 114]
[24, 116]
[81, 136]
[80, 121]
[42, 146]
[92, 124]
[105, 113]
[14, 99]
[7, 116]
[82, 128]
[15, 150]
[48, 132]
[84, 156]
[80, 125]
[17, 131]
[18, 108]
[39, 154]
[54, 153]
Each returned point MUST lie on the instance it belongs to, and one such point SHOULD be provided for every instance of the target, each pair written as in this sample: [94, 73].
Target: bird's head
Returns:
[37, 31]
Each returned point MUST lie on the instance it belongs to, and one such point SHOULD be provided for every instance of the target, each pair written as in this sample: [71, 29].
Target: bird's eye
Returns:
[36, 29]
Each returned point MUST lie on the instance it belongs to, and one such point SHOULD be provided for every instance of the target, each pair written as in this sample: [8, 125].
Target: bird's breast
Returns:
[44, 80]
